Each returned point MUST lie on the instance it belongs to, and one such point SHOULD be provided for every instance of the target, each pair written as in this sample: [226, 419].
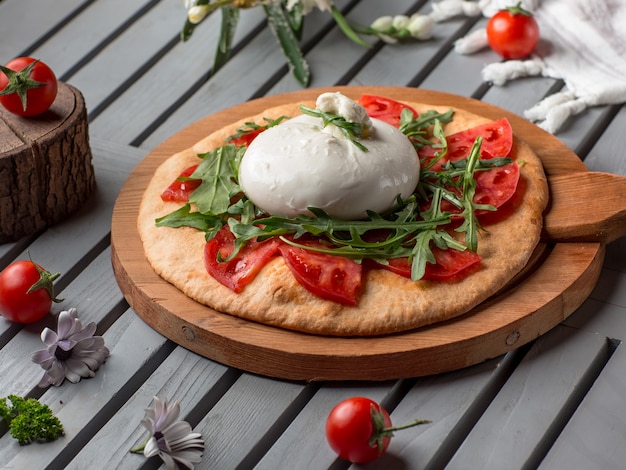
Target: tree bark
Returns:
[46, 170]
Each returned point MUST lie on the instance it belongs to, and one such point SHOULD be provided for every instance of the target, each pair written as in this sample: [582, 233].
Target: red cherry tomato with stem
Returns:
[359, 429]
[28, 87]
[513, 32]
[26, 292]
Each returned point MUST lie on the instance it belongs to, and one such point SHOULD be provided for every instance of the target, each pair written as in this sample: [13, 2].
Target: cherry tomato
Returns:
[513, 32]
[26, 292]
[357, 429]
[28, 86]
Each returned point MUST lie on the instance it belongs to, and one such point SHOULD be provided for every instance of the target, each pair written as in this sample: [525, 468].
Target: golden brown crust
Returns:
[389, 303]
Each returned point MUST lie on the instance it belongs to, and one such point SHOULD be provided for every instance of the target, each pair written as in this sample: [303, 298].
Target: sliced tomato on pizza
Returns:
[241, 270]
[181, 188]
[497, 142]
[330, 277]
[450, 264]
[385, 109]
[246, 138]
[493, 187]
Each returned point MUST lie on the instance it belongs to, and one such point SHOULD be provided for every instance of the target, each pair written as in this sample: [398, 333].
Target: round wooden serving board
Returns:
[559, 278]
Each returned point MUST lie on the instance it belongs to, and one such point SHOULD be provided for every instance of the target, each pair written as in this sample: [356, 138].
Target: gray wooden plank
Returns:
[515, 422]
[599, 317]
[292, 451]
[127, 55]
[184, 377]
[327, 61]
[611, 287]
[608, 152]
[94, 294]
[24, 21]
[236, 82]
[92, 26]
[77, 404]
[519, 95]
[460, 74]
[166, 82]
[443, 399]
[243, 415]
[63, 245]
[399, 64]
[61, 248]
[595, 435]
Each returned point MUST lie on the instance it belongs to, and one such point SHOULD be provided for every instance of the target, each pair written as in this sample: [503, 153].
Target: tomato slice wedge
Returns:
[385, 109]
[179, 191]
[329, 277]
[497, 142]
[242, 269]
[450, 264]
[494, 187]
[247, 138]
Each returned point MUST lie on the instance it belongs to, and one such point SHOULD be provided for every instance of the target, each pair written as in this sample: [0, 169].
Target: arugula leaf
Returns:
[183, 217]
[350, 129]
[470, 224]
[417, 129]
[219, 179]
[250, 127]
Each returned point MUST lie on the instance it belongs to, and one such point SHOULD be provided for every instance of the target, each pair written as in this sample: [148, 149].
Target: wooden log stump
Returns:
[46, 170]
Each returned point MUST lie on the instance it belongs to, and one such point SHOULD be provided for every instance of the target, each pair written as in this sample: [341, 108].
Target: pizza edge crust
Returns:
[389, 303]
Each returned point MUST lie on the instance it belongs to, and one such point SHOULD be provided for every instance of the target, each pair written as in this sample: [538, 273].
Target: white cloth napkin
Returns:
[582, 42]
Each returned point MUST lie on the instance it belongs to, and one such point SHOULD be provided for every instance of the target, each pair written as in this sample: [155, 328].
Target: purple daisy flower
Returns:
[71, 353]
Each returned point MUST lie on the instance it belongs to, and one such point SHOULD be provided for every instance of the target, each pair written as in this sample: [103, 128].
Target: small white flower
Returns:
[400, 22]
[308, 5]
[170, 439]
[197, 13]
[71, 353]
[382, 23]
[421, 26]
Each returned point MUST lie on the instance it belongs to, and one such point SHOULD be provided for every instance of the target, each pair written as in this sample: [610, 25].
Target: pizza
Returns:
[431, 254]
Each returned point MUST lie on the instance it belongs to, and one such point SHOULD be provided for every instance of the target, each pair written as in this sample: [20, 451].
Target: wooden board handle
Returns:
[587, 207]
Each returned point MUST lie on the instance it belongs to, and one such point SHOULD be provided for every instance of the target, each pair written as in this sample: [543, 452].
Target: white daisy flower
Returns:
[170, 439]
[71, 353]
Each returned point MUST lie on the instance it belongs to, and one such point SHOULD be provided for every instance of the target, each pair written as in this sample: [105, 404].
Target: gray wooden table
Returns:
[555, 403]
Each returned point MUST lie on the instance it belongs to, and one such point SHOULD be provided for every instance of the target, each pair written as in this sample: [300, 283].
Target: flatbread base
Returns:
[389, 303]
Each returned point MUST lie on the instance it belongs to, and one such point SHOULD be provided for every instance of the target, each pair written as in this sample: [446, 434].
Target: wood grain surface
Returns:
[558, 279]
[46, 170]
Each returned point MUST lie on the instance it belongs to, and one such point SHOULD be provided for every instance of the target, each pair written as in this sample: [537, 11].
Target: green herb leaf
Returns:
[230, 19]
[250, 127]
[282, 30]
[350, 129]
[345, 27]
[29, 420]
[183, 217]
[218, 174]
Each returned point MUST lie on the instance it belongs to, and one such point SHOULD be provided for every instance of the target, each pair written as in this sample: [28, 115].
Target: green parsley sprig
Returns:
[29, 420]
